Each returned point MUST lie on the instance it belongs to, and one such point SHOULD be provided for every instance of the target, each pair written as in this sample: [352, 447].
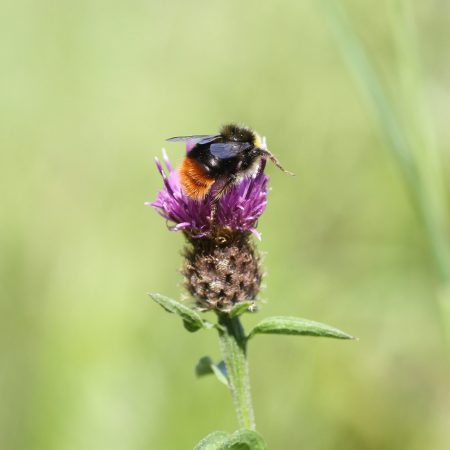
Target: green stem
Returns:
[233, 344]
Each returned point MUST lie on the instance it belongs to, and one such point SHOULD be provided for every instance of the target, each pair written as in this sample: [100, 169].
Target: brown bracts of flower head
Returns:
[219, 273]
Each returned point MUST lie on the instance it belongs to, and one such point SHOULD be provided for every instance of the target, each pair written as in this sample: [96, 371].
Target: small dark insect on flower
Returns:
[216, 199]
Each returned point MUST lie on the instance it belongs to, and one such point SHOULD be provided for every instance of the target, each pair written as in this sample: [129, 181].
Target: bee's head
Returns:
[236, 133]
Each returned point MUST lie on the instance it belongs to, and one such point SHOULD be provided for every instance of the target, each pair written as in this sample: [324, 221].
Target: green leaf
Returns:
[239, 440]
[205, 366]
[191, 319]
[244, 440]
[220, 371]
[242, 307]
[298, 327]
[213, 441]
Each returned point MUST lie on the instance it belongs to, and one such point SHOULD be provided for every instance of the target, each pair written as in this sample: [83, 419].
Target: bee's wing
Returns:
[199, 139]
[228, 149]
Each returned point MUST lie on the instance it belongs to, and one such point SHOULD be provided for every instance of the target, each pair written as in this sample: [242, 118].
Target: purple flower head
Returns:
[239, 209]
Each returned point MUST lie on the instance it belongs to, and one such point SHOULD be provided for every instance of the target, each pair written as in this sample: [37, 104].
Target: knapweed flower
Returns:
[239, 209]
[222, 265]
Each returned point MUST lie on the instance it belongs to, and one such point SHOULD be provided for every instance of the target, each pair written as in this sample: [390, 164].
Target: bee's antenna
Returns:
[268, 154]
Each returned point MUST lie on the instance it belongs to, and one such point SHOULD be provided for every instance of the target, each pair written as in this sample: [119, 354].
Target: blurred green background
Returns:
[90, 90]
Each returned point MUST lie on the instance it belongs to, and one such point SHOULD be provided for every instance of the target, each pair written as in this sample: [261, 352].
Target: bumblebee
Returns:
[216, 162]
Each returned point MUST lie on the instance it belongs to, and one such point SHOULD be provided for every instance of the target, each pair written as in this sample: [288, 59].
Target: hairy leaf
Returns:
[239, 440]
[297, 326]
[241, 308]
[213, 441]
[191, 319]
[244, 440]
[205, 366]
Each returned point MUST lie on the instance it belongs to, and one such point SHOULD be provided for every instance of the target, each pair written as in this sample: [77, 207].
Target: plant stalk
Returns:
[233, 345]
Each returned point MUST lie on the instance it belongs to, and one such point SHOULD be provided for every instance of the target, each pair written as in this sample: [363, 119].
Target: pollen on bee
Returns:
[195, 183]
[259, 142]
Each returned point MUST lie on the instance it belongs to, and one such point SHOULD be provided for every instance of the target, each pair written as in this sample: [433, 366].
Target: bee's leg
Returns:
[264, 152]
[224, 187]
[214, 210]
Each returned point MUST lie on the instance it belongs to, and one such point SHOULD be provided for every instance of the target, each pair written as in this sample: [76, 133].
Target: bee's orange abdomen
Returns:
[196, 184]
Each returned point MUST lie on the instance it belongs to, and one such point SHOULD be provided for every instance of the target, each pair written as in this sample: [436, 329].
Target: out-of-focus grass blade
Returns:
[399, 137]
[405, 130]
[417, 120]
[370, 84]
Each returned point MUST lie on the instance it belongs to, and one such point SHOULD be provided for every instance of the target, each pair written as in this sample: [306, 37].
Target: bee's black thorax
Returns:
[230, 167]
